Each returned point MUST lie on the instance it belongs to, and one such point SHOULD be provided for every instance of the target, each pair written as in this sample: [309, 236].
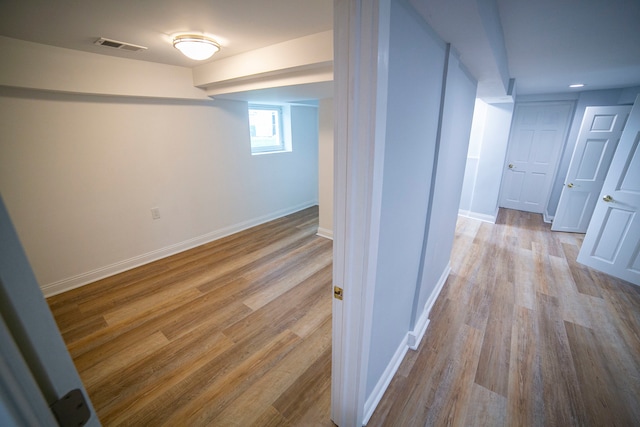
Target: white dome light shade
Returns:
[196, 47]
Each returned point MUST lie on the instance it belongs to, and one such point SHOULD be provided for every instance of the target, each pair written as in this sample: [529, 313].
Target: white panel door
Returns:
[597, 141]
[612, 242]
[538, 133]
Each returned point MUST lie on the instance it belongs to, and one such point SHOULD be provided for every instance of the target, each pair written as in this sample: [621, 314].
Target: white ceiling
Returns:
[238, 25]
[553, 43]
[548, 44]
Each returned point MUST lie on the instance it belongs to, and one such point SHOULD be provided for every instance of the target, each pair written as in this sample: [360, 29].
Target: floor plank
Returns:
[557, 344]
[233, 332]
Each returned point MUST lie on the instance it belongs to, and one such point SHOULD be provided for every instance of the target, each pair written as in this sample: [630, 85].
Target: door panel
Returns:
[603, 122]
[631, 174]
[577, 208]
[592, 159]
[522, 151]
[612, 242]
[514, 186]
[600, 132]
[538, 134]
[635, 265]
[544, 147]
[531, 197]
[615, 228]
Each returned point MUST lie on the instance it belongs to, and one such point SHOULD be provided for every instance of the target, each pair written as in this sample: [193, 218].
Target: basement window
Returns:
[269, 129]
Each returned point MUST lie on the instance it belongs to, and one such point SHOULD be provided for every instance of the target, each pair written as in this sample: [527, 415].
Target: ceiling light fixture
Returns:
[196, 47]
[577, 85]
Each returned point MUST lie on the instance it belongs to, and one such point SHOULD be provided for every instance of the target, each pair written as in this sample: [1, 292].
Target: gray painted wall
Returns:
[457, 114]
[416, 62]
[416, 67]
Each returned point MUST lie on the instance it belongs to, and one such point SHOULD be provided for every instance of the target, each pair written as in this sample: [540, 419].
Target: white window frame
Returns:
[284, 129]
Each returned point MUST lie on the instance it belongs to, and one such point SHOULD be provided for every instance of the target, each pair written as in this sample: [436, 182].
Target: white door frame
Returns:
[361, 47]
[42, 371]
[20, 395]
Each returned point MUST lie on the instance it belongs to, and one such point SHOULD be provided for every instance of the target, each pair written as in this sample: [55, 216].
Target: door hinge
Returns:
[337, 292]
[71, 409]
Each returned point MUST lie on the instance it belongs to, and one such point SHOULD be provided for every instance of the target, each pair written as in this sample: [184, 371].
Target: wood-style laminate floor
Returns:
[236, 332]
[522, 335]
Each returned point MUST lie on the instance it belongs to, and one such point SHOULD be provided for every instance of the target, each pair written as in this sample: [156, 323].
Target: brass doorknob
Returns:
[570, 185]
[510, 165]
[607, 198]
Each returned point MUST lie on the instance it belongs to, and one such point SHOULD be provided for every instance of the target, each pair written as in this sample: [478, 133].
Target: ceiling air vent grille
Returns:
[119, 45]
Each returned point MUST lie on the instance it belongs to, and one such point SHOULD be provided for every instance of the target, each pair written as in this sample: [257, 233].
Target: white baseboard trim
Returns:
[547, 218]
[82, 279]
[414, 337]
[479, 216]
[410, 341]
[377, 393]
[325, 232]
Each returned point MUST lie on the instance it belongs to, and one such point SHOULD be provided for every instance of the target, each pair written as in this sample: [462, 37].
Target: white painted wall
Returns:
[485, 162]
[473, 155]
[312, 52]
[80, 173]
[325, 167]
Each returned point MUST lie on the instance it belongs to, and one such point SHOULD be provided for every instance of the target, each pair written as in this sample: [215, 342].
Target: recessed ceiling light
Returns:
[196, 46]
[577, 85]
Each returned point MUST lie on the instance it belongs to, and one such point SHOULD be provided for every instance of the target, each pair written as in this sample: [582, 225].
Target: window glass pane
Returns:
[265, 124]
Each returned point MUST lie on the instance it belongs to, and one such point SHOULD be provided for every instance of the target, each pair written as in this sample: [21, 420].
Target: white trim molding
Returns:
[361, 48]
[415, 336]
[378, 392]
[325, 232]
[411, 341]
[82, 279]
[479, 216]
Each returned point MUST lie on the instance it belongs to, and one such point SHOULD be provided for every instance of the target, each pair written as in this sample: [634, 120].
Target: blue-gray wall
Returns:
[457, 114]
[416, 63]
[417, 58]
